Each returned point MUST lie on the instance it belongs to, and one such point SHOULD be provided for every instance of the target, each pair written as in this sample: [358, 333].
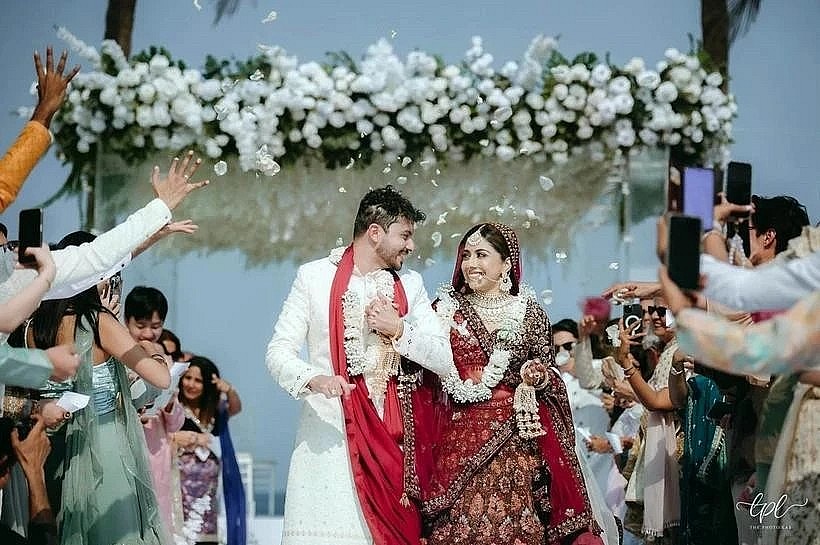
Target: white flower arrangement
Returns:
[273, 110]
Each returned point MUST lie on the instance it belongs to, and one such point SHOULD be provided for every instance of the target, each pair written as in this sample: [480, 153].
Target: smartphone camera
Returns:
[31, 234]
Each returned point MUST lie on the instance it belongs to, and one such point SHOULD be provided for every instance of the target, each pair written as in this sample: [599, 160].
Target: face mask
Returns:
[562, 358]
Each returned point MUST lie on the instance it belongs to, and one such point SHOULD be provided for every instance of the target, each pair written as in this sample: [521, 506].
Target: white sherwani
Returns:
[321, 506]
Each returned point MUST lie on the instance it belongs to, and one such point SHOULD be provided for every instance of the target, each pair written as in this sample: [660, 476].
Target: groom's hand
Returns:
[330, 386]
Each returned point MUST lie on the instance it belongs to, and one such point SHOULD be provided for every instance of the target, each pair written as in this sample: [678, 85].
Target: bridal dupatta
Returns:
[376, 459]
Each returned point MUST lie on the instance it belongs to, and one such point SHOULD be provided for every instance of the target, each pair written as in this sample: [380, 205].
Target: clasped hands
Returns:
[382, 317]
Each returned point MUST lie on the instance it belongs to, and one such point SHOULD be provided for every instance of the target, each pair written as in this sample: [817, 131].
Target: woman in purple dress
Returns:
[205, 452]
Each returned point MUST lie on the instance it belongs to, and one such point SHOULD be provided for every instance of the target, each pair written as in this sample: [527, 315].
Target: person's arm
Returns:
[174, 415]
[31, 454]
[289, 334]
[423, 339]
[117, 341]
[25, 152]
[654, 400]
[23, 367]
[784, 343]
[23, 304]
[739, 288]
[231, 395]
[588, 376]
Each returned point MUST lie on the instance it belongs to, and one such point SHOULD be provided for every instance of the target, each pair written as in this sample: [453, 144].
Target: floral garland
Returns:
[467, 391]
[360, 361]
[545, 107]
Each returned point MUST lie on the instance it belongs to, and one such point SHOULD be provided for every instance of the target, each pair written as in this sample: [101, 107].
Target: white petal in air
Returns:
[340, 242]
[350, 164]
[560, 256]
[386, 169]
[442, 218]
[197, 5]
[402, 179]
[256, 76]
[406, 161]
[546, 183]
[270, 17]
[614, 266]
[436, 239]
[342, 190]
[221, 168]
[546, 296]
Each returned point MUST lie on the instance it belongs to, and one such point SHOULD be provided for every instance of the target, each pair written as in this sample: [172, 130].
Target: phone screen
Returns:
[31, 233]
[699, 194]
[683, 257]
[739, 183]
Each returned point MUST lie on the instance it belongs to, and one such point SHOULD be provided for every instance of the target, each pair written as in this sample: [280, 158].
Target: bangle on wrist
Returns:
[158, 357]
[631, 371]
[399, 330]
[677, 370]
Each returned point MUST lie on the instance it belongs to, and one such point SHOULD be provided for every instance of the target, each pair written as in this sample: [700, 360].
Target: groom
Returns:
[359, 318]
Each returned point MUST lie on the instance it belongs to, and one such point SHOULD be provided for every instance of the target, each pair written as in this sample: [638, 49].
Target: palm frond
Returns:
[742, 13]
[225, 7]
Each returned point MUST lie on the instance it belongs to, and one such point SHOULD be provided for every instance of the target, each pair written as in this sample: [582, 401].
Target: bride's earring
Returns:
[506, 283]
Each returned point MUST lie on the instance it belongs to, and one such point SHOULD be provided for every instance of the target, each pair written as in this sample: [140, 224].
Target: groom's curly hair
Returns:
[384, 206]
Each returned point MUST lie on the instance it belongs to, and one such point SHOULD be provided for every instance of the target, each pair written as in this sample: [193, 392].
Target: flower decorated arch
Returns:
[533, 143]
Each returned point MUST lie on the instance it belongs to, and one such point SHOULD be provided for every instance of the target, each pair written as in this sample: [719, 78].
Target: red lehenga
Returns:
[477, 480]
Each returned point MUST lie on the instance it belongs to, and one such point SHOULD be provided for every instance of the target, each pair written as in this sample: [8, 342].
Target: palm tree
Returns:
[721, 22]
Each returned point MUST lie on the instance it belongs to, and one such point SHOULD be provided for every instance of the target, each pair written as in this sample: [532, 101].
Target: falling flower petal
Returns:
[531, 214]
[406, 161]
[497, 209]
[270, 17]
[342, 190]
[442, 218]
[438, 172]
[560, 256]
[433, 181]
[614, 266]
[546, 183]
[402, 179]
[197, 5]
[429, 262]
[424, 163]
[256, 76]
[393, 34]
[350, 164]
[221, 168]
[526, 224]
[455, 235]
[340, 241]
[386, 169]
[546, 296]
[436, 239]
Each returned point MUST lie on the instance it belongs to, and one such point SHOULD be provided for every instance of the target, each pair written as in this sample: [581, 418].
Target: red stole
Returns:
[373, 444]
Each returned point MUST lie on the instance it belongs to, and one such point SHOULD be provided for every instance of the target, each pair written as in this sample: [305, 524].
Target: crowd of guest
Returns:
[693, 423]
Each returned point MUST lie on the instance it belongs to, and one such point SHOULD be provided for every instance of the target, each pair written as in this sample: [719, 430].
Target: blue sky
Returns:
[226, 312]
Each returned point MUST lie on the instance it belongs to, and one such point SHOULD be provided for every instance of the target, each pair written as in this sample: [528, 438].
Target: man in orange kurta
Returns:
[19, 160]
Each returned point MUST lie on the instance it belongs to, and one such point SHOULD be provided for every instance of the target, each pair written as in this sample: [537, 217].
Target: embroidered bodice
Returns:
[104, 379]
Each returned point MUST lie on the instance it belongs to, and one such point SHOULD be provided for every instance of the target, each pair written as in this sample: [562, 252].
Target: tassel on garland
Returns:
[526, 412]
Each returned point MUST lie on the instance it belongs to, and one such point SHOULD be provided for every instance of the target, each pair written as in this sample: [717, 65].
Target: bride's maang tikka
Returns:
[475, 238]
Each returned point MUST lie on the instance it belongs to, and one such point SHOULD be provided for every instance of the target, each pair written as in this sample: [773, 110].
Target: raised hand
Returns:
[51, 86]
[176, 185]
[64, 360]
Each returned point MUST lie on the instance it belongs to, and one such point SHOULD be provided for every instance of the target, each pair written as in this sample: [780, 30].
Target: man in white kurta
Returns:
[321, 504]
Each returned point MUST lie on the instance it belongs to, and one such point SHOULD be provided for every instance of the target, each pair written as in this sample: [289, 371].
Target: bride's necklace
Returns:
[493, 308]
[189, 413]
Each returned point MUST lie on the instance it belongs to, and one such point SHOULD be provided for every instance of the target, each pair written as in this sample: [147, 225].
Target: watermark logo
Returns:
[761, 509]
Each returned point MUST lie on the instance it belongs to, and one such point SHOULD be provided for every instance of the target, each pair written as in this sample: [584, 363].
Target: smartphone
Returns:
[683, 251]
[31, 233]
[739, 183]
[633, 318]
[699, 190]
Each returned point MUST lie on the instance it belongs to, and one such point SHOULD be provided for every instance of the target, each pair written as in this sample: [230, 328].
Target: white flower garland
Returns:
[361, 360]
[467, 391]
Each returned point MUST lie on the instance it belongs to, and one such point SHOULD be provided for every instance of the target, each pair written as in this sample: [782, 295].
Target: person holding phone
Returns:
[19, 160]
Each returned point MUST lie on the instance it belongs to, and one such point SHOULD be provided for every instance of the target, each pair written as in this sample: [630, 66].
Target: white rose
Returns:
[680, 76]
[146, 93]
[579, 72]
[635, 66]
[692, 63]
[648, 79]
[158, 64]
[673, 54]
[560, 157]
[666, 92]
[620, 85]
[584, 132]
[626, 138]
[671, 138]
[535, 101]
[697, 136]
[714, 79]
[623, 104]
[560, 91]
[548, 131]
[505, 153]
[648, 137]
[561, 73]
[600, 74]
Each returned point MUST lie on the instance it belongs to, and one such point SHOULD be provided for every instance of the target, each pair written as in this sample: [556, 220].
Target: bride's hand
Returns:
[534, 373]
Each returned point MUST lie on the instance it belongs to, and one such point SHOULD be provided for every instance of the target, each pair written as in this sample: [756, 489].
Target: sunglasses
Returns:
[660, 310]
[568, 346]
